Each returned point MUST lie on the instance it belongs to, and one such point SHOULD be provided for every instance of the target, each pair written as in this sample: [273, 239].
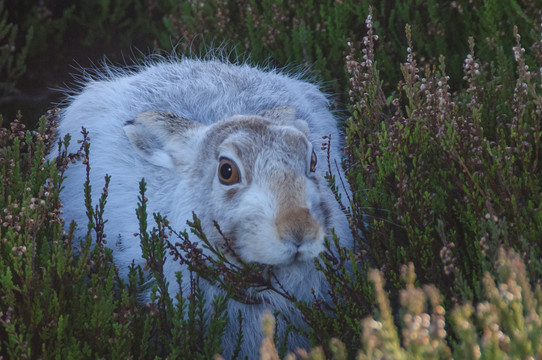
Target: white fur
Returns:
[211, 93]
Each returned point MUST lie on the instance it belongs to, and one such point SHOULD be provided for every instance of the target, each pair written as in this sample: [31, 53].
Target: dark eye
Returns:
[228, 173]
[314, 160]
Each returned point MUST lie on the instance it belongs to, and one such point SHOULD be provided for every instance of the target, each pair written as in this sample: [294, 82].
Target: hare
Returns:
[231, 142]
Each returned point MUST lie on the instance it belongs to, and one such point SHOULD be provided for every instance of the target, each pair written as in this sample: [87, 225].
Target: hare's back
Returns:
[208, 91]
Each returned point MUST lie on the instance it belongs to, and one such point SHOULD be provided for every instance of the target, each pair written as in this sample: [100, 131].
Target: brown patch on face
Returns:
[294, 221]
[297, 225]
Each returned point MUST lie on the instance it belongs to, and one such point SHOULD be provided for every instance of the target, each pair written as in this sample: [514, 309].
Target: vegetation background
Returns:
[442, 110]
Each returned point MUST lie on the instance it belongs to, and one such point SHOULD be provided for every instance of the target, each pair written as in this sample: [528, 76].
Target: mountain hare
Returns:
[232, 143]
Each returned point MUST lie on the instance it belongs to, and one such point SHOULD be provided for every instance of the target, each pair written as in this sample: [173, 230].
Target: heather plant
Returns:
[504, 324]
[441, 179]
[54, 301]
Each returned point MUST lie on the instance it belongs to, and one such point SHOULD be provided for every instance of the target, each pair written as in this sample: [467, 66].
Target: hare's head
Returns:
[252, 174]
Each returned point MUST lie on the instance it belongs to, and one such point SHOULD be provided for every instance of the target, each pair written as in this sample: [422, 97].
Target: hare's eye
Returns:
[228, 173]
[313, 161]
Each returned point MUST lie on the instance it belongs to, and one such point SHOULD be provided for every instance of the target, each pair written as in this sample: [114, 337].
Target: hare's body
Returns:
[232, 144]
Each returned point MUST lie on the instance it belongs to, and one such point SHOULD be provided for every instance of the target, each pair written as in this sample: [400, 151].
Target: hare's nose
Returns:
[297, 225]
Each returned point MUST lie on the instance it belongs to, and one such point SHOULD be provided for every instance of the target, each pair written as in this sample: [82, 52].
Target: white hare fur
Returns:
[172, 123]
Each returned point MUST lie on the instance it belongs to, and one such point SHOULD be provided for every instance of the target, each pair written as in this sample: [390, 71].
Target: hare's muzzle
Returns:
[298, 226]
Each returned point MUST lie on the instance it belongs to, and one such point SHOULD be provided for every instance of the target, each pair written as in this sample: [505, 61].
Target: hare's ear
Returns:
[157, 135]
[286, 115]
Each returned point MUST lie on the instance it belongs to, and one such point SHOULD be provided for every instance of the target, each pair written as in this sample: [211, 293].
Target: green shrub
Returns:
[427, 165]
[505, 324]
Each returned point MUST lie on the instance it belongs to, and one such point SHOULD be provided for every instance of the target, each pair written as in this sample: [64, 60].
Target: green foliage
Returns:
[187, 331]
[426, 158]
[12, 58]
[505, 324]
